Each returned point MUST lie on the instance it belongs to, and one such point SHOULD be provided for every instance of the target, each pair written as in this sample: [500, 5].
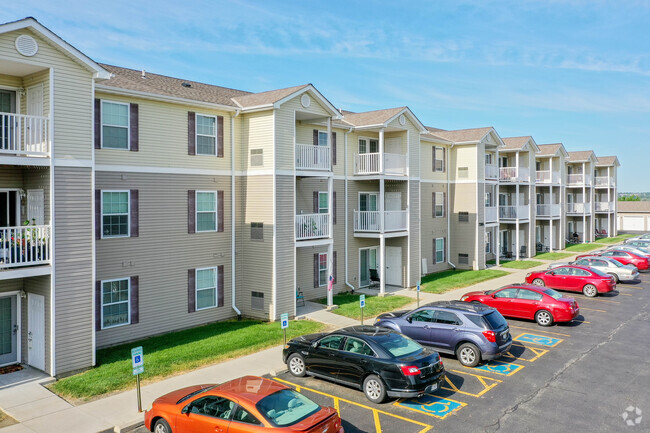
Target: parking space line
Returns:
[482, 379]
[375, 415]
[584, 298]
[426, 427]
[624, 294]
[537, 351]
[499, 367]
[629, 287]
[580, 321]
[542, 340]
[540, 330]
[432, 405]
[593, 309]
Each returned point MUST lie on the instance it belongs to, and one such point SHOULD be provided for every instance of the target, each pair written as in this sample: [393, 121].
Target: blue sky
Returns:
[576, 72]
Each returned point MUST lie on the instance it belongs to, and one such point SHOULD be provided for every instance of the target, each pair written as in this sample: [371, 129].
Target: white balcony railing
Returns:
[578, 208]
[548, 177]
[312, 226]
[24, 246]
[513, 212]
[548, 210]
[513, 174]
[491, 171]
[21, 134]
[369, 163]
[578, 179]
[490, 214]
[604, 206]
[603, 181]
[310, 157]
[370, 221]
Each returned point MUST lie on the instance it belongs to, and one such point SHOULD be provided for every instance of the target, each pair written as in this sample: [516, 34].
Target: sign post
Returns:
[137, 359]
[362, 303]
[284, 322]
[418, 289]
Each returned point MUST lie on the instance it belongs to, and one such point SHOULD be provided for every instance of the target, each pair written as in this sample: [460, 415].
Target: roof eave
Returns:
[335, 114]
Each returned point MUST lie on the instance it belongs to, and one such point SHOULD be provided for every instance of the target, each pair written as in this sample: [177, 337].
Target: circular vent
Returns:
[305, 100]
[402, 120]
[26, 45]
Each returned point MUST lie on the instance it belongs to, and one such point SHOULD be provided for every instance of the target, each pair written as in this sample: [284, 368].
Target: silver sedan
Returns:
[610, 266]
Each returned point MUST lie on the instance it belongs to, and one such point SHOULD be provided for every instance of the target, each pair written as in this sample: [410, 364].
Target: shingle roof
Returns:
[433, 133]
[266, 98]
[368, 118]
[462, 135]
[515, 142]
[604, 161]
[633, 206]
[131, 79]
[548, 149]
[580, 156]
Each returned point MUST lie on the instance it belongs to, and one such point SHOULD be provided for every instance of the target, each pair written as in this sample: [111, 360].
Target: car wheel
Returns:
[468, 355]
[374, 389]
[161, 426]
[296, 364]
[538, 282]
[616, 279]
[544, 318]
[590, 290]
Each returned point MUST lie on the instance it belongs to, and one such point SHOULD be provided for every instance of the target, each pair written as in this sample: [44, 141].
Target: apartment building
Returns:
[605, 195]
[580, 195]
[550, 190]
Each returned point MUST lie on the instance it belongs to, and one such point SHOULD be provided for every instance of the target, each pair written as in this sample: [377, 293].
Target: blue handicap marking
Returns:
[500, 367]
[538, 339]
[432, 405]
[137, 359]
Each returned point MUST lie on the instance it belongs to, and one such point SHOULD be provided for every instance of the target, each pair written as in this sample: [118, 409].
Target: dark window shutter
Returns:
[315, 141]
[134, 206]
[316, 273]
[191, 211]
[444, 159]
[315, 201]
[98, 124]
[220, 300]
[191, 133]
[219, 211]
[133, 127]
[135, 300]
[98, 305]
[435, 257]
[433, 156]
[444, 204]
[333, 207]
[334, 266]
[334, 148]
[98, 214]
[191, 290]
[220, 136]
[444, 249]
[433, 201]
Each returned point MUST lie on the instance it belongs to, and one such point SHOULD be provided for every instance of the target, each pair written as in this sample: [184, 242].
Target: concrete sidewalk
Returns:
[23, 396]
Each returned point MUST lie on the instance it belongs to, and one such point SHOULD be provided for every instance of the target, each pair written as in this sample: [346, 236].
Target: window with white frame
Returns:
[115, 302]
[463, 172]
[440, 204]
[206, 288]
[323, 202]
[115, 125]
[368, 145]
[206, 135]
[488, 242]
[439, 163]
[115, 214]
[322, 138]
[488, 199]
[488, 158]
[206, 211]
[440, 250]
[322, 269]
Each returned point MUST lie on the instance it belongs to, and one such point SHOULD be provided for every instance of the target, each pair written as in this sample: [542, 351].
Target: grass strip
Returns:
[521, 264]
[349, 305]
[581, 248]
[441, 282]
[552, 256]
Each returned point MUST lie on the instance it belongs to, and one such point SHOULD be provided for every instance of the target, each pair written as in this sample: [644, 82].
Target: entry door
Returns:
[394, 266]
[36, 206]
[504, 242]
[34, 108]
[36, 331]
[368, 203]
[9, 208]
[8, 330]
[367, 261]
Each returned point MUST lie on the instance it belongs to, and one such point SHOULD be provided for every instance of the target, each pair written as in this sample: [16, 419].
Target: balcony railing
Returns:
[513, 212]
[604, 181]
[312, 226]
[578, 208]
[491, 171]
[24, 246]
[370, 221]
[490, 214]
[548, 177]
[548, 210]
[21, 134]
[578, 179]
[310, 157]
[513, 174]
[368, 163]
[604, 206]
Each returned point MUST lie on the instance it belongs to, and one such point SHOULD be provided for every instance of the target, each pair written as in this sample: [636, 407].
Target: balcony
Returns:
[24, 246]
[491, 171]
[513, 212]
[513, 174]
[312, 226]
[23, 135]
[548, 210]
[548, 177]
[578, 208]
[604, 181]
[604, 206]
[578, 180]
[369, 163]
[491, 213]
[370, 221]
[310, 157]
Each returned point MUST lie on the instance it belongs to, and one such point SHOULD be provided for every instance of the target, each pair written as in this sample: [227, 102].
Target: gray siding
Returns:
[40, 286]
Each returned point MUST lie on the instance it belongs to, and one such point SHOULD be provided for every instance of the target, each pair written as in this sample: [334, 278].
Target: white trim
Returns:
[274, 272]
[53, 233]
[77, 163]
[101, 306]
[24, 160]
[320, 283]
[103, 88]
[196, 211]
[435, 253]
[19, 322]
[165, 170]
[93, 240]
[101, 213]
[196, 134]
[128, 124]
[216, 288]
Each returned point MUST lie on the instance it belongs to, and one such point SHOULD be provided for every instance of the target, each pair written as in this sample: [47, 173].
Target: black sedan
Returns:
[381, 362]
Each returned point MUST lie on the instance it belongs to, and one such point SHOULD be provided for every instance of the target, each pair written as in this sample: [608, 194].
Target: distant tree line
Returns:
[626, 196]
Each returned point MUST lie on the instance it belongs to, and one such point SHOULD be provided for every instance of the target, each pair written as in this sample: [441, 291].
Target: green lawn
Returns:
[521, 264]
[349, 305]
[172, 353]
[581, 248]
[444, 281]
[614, 240]
[552, 256]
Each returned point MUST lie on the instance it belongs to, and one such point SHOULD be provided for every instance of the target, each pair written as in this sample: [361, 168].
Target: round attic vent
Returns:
[26, 45]
[305, 100]
[402, 120]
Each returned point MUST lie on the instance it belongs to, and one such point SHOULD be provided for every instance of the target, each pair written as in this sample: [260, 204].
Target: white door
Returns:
[8, 330]
[633, 223]
[36, 206]
[34, 128]
[36, 331]
[394, 266]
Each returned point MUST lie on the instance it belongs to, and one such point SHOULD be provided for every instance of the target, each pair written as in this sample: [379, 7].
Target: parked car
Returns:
[641, 251]
[381, 362]
[250, 403]
[589, 281]
[609, 266]
[623, 256]
[640, 239]
[527, 301]
[470, 332]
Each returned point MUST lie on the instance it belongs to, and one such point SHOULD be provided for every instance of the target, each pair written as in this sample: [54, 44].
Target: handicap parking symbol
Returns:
[500, 367]
[538, 339]
[432, 405]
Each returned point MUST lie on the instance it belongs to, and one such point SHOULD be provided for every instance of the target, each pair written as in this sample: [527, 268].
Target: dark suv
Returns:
[471, 332]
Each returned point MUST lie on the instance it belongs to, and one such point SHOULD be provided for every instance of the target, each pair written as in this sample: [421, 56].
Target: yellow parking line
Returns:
[537, 351]
[629, 287]
[625, 294]
[593, 309]
[336, 405]
[480, 378]
[580, 321]
[375, 415]
[539, 330]
[599, 300]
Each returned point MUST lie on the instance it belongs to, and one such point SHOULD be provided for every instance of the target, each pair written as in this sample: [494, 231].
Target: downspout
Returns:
[345, 169]
[232, 212]
[449, 209]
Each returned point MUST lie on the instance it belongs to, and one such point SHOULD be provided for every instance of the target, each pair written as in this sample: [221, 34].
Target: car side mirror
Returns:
[314, 344]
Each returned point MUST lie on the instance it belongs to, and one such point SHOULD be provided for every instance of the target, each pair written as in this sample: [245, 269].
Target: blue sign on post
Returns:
[137, 359]
[362, 301]
[418, 287]
[284, 320]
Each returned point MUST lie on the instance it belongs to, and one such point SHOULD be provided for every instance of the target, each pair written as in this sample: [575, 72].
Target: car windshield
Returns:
[615, 263]
[495, 320]
[553, 294]
[286, 407]
[399, 345]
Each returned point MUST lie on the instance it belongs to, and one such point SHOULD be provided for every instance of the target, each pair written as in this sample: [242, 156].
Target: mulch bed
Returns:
[10, 368]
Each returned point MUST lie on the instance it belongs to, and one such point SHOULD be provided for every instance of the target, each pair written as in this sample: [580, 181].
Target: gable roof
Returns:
[518, 143]
[380, 118]
[275, 98]
[551, 149]
[431, 135]
[582, 156]
[633, 206]
[58, 42]
[466, 136]
[604, 161]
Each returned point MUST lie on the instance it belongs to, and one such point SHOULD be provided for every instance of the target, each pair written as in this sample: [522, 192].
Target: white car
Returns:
[610, 266]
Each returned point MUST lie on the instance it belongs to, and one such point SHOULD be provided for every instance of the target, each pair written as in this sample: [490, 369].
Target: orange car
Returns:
[248, 404]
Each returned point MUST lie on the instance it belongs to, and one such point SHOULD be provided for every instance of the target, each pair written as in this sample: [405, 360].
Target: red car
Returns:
[624, 257]
[249, 404]
[527, 301]
[589, 281]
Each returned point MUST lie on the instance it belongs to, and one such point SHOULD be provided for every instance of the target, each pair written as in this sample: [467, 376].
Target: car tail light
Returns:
[491, 336]
[410, 370]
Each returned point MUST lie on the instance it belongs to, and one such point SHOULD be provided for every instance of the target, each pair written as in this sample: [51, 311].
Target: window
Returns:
[488, 158]
[463, 217]
[206, 211]
[115, 125]
[506, 293]
[447, 318]
[206, 135]
[331, 342]
[322, 138]
[354, 345]
[368, 145]
[323, 202]
[440, 250]
[440, 204]
[463, 259]
[206, 288]
[211, 405]
[529, 295]
[422, 316]
[115, 303]
[257, 300]
[257, 157]
[242, 416]
[488, 199]
[257, 231]
[463, 172]
[439, 161]
[488, 242]
[322, 269]
[115, 214]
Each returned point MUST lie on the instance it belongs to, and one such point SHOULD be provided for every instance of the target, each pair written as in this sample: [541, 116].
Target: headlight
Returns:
[463, 298]
[529, 274]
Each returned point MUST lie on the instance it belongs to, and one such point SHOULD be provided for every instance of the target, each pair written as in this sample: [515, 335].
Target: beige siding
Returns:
[431, 227]
[285, 247]
[38, 79]
[256, 133]
[10, 80]
[462, 234]
[414, 235]
[463, 156]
